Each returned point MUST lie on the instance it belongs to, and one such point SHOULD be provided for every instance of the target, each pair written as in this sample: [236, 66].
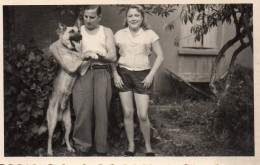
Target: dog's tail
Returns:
[43, 128]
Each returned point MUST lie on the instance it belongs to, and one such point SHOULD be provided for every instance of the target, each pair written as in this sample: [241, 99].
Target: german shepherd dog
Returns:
[64, 50]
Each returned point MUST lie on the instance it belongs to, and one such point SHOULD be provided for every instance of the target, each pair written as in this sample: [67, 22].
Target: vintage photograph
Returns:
[132, 80]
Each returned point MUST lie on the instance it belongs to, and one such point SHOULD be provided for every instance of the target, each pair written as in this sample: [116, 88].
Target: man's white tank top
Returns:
[92, 42]
[95, 42]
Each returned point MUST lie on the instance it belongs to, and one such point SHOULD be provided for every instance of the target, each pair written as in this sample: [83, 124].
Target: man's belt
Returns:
[96, 66]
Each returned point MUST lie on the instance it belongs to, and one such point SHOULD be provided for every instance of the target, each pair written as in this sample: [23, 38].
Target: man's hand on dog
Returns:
[100, 55]
[91, 55]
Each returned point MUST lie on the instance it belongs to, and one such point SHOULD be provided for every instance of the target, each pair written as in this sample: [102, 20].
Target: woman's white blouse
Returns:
[135, 50]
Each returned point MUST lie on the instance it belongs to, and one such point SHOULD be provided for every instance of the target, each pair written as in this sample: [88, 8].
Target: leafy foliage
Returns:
[229, 123]
[209, 15]
[160, 10]
[235, 115]
[28, 79]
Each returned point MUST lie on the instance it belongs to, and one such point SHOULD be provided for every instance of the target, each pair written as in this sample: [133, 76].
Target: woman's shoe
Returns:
[129, 153]
[101, 154]
[150, 154]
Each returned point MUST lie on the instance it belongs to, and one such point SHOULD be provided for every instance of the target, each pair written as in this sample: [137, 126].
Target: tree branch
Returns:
[235, 19]
[237, 23]
[247, 26]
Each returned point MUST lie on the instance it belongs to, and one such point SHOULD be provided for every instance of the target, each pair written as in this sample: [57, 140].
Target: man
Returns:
[92, 90]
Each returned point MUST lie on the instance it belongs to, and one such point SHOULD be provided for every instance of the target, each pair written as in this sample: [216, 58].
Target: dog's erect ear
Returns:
[62, 29]
[78, 23]
[62, 26]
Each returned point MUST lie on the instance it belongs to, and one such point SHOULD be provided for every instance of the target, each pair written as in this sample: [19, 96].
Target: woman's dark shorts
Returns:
[133, 81]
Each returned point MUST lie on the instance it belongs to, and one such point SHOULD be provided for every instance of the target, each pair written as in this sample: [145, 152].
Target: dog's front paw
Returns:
[71, 150]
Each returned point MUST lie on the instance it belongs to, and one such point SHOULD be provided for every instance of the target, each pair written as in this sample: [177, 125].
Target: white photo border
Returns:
[174, 160]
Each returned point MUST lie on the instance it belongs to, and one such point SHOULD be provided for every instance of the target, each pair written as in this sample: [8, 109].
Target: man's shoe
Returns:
[150, 154]
[129, 153]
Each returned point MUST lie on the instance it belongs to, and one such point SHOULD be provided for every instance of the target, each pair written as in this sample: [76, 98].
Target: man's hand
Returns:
[92, 55]
[101, 56]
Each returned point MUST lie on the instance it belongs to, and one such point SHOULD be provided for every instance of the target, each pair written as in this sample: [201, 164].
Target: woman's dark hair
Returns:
[140, 9]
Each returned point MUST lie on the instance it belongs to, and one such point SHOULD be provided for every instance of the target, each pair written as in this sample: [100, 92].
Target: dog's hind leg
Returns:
[66, 118]
[52, 117]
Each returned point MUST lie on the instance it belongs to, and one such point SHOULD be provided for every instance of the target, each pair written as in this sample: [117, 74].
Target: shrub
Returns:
[235, 115]
[28, 75]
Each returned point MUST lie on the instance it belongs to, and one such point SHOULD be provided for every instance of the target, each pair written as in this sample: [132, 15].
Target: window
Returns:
[207, 44]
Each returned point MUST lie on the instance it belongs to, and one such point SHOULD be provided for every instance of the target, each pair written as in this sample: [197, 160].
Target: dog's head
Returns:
[69, 35]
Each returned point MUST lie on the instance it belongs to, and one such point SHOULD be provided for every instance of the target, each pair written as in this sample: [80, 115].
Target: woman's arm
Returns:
[117, 79]
[157, 50]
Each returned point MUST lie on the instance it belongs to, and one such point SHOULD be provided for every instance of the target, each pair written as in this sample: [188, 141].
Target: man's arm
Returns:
[110, 56]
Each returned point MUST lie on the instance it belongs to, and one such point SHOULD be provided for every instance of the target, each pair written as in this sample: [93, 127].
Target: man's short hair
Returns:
[92, 7]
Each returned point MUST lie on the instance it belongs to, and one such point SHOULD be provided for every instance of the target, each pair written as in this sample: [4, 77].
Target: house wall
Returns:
[195, 68]
[40, 23]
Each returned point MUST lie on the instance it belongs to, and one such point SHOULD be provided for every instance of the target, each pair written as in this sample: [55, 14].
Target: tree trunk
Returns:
[8, 26]
[216, 63]
[232, 66]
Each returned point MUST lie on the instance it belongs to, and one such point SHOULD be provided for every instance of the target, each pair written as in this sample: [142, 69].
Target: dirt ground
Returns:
[170, 137]
[184, 125]
[183, 141]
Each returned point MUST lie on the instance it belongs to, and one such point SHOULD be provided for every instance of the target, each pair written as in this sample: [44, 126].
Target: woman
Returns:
[134, 77]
